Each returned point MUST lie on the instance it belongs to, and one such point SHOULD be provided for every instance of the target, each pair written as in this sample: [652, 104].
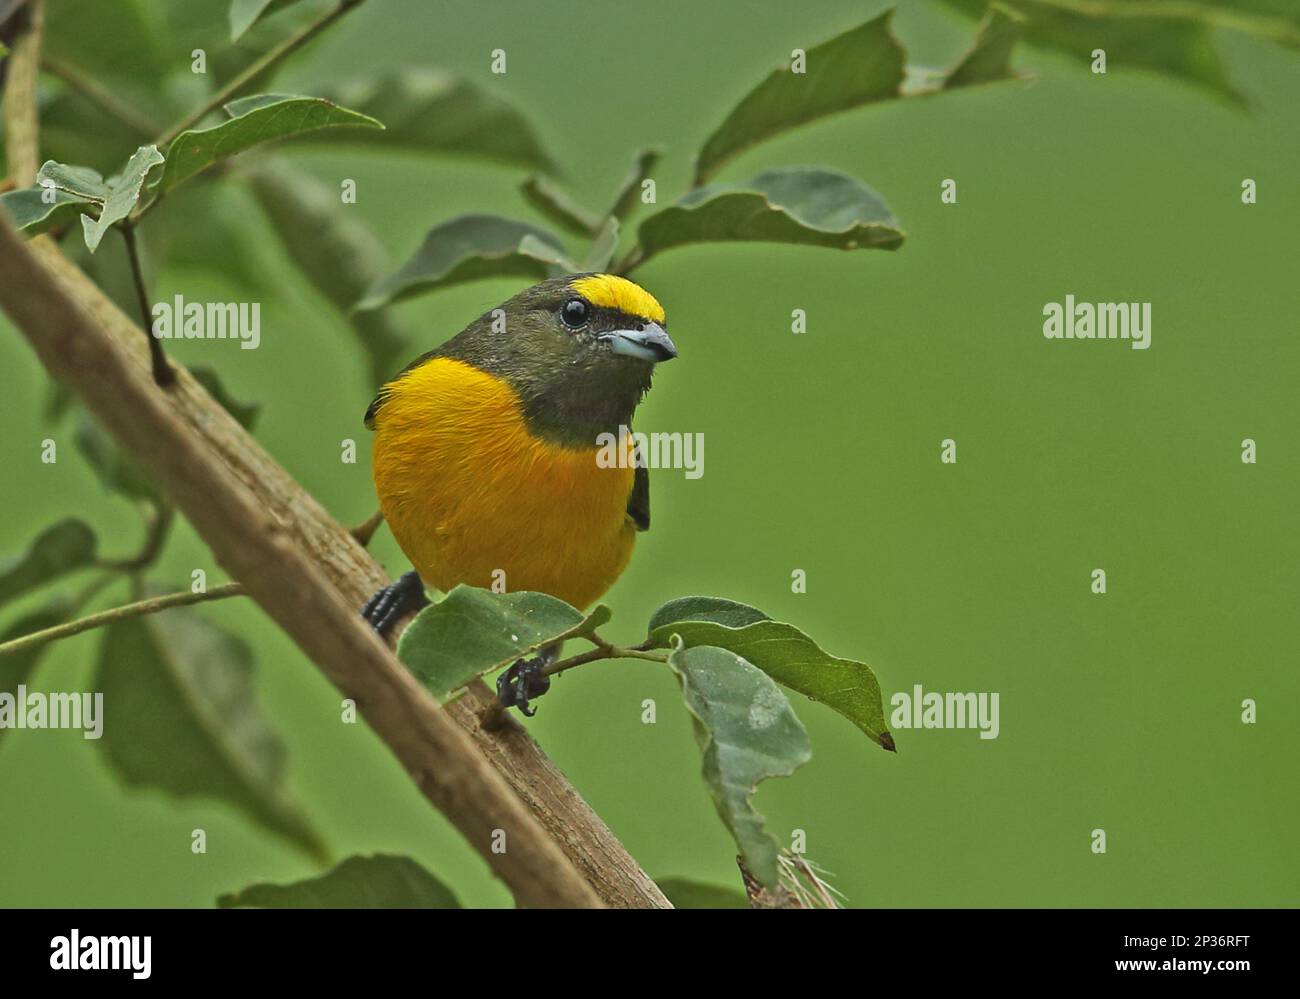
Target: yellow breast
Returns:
[470, 493]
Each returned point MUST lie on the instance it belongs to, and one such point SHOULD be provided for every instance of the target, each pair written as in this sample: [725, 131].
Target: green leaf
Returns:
[467, 248]
[77, 181]
[989, 57]
[552, 201]
[382, 881]
[1274, 20]
[602, 247]
[785, 654]
[471, 632]
[861, 66]
[747, 732]
[61, 194]
[430, 111]
[16, 669]
[181, 717]
[33, 211]
[4, 51]
[716, 609]
[245, 413]
[59, 549]
[805, 205]
[625, 199]
[116, 470]
[253, 121]
[1175, 39]
[684, 893]
[337, 253]
[123, 194]
[245, 13]
[857, 67]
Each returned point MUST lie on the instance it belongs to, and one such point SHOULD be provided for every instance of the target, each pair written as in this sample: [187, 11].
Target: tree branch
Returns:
[101, 96]
[311, 575]
[141, 607]
[22, 127]
[82, 338]
[249, 75]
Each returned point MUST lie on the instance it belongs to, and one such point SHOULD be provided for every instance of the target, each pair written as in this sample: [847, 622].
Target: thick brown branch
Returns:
[22, 128]
[311, 575]
[81, 337]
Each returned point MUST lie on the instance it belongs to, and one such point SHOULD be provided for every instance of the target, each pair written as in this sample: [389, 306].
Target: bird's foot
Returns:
[523, 682]
[398, 598]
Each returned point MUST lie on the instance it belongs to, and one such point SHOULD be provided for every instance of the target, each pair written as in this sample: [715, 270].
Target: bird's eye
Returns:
[574, 313]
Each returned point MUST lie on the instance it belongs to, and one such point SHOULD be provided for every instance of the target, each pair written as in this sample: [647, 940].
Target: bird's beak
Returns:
[649, 343]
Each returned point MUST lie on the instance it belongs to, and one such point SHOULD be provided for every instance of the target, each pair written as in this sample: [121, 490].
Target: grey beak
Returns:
[649, 343]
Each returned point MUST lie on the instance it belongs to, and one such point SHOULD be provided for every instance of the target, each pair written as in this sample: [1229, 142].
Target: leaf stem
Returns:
[99, 95]
[288, 46]
[605, 650]
[162, 371]
[634, 258]
[141, 607]
[159, 520]
[363, 532]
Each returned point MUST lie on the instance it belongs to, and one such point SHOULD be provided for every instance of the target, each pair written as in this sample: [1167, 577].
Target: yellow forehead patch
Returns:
[608, 291]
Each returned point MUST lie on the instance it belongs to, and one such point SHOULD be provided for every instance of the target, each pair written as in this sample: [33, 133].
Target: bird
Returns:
[487, 452]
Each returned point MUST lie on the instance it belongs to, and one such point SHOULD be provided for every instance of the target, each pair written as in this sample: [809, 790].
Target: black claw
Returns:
[395, 600]
[523, 682]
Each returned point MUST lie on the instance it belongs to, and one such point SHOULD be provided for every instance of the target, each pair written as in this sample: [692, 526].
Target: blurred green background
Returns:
[1119, 711]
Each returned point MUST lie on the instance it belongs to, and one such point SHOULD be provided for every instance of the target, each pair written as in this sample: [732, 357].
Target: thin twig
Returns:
[365, 531]
[633, 259]
[162, 371]
[242, 80]
[159, 519]
[101, 96]
[151, 606]
[603, 650]
[92, 589]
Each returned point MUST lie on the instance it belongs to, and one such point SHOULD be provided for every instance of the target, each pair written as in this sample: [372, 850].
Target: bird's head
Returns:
[579, 350]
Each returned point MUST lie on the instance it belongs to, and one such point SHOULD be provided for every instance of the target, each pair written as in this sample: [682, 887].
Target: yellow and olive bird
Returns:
[486, 451]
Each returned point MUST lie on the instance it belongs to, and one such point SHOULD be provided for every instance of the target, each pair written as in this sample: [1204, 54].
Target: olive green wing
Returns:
[638, 501]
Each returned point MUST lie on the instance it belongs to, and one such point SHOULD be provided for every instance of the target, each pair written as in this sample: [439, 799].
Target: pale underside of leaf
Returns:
[794, 660]
[123, 194]
[747, 733]
[799, 205]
